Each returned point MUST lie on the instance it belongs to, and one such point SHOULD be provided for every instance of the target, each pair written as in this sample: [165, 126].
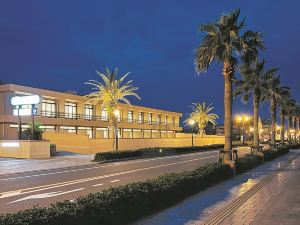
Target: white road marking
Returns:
[45, 195]
[113, 181]
[113, 164]
[62, 184]
[96, 185]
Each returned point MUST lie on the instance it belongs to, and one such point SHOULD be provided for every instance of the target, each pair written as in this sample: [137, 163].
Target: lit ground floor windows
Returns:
[99, 132]
[67, 129]
[85, 131]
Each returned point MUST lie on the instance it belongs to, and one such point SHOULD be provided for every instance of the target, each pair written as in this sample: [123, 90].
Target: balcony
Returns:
[61, 115]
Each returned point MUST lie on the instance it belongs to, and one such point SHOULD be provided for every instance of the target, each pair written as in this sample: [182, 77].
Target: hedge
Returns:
[248, 162]
[294, 145]
[272, 154]
[112, 155]
[123, 204]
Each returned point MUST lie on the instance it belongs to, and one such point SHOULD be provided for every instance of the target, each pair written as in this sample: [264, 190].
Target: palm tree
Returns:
[254, 85]
[290, 109]
[110, 92]
[201, 115]
[222, 41]
[284, 99]
[274, 94]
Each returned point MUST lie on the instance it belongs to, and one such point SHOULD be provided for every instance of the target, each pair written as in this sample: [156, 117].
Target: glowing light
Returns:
[25, 100]
[191, 122]
[116, 112]
[251, 129]
[22, 112]
[278, 127]
[10, 144]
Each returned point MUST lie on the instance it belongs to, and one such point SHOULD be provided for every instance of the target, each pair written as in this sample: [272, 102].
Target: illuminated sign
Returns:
[25, 100]
[24, 112]
[10, 144]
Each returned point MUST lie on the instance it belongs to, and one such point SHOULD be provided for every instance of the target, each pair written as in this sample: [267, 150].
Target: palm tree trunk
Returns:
[282, 127]
[290, 127]
[227, 73]
[273, 118]
[256, 132]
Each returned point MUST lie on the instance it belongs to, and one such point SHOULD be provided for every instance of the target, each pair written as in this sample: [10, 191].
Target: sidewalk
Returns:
[63, 159]
[267, 194]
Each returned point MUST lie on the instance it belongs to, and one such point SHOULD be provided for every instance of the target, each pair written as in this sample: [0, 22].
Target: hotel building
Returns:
[68, 113]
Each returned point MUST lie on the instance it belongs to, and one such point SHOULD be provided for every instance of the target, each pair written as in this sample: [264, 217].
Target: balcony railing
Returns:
[61, 115]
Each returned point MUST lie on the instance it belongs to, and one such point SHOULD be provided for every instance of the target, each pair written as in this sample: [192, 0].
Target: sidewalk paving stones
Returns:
[247, 194]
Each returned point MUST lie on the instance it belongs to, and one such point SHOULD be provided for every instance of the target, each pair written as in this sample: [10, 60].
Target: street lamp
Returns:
[116, 114]
[192, 123]
[243, 119]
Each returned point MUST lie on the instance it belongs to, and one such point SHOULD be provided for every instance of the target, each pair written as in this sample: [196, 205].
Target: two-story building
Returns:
[69, 113]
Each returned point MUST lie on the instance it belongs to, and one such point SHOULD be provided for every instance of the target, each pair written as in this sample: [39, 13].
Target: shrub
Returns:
[294, 145]
[102, 156]
[272, 154]
[248, 162]
[120, 205]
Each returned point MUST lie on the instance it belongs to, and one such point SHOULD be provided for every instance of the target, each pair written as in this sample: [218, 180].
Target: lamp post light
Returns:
[192, 123]
[243, 119]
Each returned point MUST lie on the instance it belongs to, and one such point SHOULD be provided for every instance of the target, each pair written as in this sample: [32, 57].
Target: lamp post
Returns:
[243, 119]
[192, 123]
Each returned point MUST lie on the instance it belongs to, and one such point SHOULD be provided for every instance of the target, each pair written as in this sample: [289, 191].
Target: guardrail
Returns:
[62, 115]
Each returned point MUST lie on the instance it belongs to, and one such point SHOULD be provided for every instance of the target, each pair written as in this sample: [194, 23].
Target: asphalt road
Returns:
[24, 190]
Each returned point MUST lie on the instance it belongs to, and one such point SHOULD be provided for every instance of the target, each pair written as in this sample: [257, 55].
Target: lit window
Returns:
[104, 114]
[48, 108]
[70, 110]
[130, 116]
[88, 111]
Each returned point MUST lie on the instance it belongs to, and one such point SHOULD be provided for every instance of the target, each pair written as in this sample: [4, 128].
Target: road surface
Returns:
[23, 190]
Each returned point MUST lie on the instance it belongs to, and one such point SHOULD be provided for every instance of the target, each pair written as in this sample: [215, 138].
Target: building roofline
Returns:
[62, 95]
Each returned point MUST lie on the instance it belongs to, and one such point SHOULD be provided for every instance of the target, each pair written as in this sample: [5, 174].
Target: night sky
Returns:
[58, 45]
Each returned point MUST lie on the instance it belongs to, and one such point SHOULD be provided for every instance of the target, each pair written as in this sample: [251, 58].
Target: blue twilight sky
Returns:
[59, 44]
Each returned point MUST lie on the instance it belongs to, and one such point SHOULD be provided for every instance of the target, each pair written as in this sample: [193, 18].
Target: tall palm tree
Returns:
[274, 94]
[290, 109]
[221, 43]
[201, 115]
[110, 92]
[284, 99]
[253, 85]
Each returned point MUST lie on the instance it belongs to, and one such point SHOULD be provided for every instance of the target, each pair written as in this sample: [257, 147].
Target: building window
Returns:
[68, 129]
[70, 110]
[118, 115]
[150, 118]
[141, 117]
[48, 108]
[86, 131]
[47, 128]
[166, 119]
[130, 116]
[158, 119]
[88, 112]
[104, 114]
[173, 120]
[102, 132]
[128, 133]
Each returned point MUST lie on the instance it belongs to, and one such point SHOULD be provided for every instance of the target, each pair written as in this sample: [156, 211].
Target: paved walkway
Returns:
[268, 194]
[63, 159]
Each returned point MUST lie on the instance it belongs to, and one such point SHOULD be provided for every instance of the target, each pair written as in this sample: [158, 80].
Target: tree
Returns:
[110, 92]
[37, 132]
[284, 99]
[275, 92]
[254, 85]
[290, 110]
[201, 116]
[222, 42]
[1, 82]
